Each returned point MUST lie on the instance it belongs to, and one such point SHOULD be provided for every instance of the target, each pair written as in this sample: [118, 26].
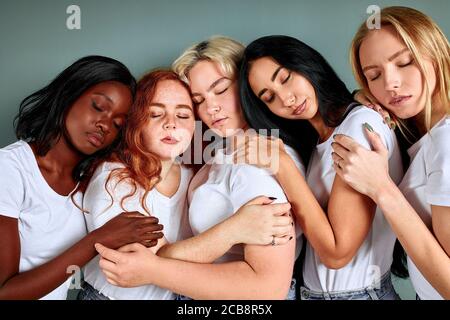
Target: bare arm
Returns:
[251, 224]
[264, 274]
[337, 234]
[368, 173]
[38, 282]
[417, 240]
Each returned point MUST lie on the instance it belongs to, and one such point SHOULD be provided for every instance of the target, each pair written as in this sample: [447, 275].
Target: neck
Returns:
[166, 165]
[62, 157]
[321, 128]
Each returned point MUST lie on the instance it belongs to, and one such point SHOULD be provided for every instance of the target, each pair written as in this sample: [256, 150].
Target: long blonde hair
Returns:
[423, 38]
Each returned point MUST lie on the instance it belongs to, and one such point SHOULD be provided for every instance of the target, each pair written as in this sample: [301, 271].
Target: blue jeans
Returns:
[291, 294]
[386, 291]
[88, 292]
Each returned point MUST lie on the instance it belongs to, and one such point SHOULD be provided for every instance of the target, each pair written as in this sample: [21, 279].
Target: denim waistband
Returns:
[373, 292]
[88, 292]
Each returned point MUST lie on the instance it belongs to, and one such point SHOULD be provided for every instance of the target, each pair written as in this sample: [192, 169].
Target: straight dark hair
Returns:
[41, 117]
[332, 95]
[334, 102]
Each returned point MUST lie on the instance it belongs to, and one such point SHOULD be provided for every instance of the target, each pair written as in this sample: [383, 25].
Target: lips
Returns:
[219, 122]
[96, 139]
[169, 140]
[298, 110]
[398, 100]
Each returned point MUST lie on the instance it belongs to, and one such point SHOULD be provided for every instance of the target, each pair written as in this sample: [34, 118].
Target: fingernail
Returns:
[387, 119]
[392, 125]
[368, 127]
[290, 238]
[272, 198]
[334, 136]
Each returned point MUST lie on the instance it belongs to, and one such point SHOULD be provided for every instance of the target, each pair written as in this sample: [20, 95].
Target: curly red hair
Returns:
[142, 168]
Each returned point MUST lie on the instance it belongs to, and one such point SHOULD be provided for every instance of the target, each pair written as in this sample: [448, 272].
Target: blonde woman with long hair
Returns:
[405, 67]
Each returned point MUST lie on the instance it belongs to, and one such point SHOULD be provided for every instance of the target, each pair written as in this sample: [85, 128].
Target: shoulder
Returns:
[438, 140]
[17, 158]
[353, 126]
[296, 157]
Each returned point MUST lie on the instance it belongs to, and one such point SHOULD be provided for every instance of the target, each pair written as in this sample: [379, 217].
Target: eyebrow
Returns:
[274, 75]
[212, 86]
[179, 106]
[104, 95]
[395, 55]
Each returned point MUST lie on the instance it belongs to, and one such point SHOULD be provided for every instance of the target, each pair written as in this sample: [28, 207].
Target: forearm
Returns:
[314, 221]
[199, 248]
[233, 280]
[417, 240]
[40, 281]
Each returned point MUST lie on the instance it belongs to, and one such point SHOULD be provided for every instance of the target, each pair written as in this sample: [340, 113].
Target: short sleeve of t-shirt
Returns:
[437, 162]
[11, 186]
[353, 126]
[250, 182]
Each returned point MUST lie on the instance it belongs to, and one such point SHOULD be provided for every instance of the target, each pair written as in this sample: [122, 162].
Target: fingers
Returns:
[149, 243]
[111, 278]
[107, 265]
[337, 159]
[132, 247]
[151, 227]
[375, 140]
[339, 150]
[279, 241]
[346, 142]
[107, 253]
[260, 200]
[283, 231]
[283, 221]
[276, 208]
[145, 219]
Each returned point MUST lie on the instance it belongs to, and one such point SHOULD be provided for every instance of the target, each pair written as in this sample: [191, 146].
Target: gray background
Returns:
[36, 44]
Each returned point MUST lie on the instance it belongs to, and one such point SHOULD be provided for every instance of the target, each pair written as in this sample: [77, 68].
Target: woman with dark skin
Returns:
[62, 129]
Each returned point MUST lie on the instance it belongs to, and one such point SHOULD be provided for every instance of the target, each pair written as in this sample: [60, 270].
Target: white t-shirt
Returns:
[426, 183]
[220, 188]
[171, 212]
[374, 257]
[49, 223]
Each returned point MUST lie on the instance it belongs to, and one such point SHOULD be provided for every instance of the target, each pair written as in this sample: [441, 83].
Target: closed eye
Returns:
[286, 79]
[406, 64]
[220, 92]
[268, 99]
[96, 106]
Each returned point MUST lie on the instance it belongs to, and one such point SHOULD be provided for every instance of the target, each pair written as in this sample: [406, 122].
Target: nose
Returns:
[288, 99]
[212, 107]
[169, 123]
[104, 124]
[391, 80]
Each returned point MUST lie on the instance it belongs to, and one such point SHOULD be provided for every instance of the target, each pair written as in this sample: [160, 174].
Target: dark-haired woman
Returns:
[287, 84]
[61, 129]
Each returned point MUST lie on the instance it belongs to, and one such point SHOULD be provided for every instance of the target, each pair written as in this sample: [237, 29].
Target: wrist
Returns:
[230, 230]
[384, 192]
